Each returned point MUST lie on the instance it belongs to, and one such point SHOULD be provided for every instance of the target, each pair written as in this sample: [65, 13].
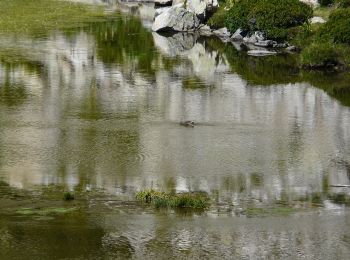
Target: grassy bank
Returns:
[40, 16]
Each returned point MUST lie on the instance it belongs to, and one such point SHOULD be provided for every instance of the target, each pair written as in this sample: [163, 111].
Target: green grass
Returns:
[172, 200]
[40, 16]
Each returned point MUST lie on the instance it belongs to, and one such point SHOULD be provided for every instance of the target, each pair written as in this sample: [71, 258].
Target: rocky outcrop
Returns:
[175, 19]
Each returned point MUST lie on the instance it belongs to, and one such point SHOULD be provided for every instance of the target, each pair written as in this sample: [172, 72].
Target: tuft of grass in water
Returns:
[172, 200]
[68, 196]
[40, 16]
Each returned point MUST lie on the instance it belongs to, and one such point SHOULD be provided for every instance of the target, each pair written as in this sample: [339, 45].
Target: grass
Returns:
[180, 200]
[40, 16]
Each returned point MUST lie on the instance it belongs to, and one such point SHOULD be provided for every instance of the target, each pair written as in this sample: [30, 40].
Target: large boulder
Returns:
[202, 8]
[175, 19]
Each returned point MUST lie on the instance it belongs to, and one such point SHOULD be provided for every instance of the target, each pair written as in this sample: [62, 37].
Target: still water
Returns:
[96, 111]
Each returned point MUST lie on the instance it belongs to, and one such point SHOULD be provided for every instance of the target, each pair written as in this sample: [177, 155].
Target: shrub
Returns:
[273, 17]
[343, 3]
[237, 16]
[320, 55]
[325, 2]
[68, 196]
[337, 29]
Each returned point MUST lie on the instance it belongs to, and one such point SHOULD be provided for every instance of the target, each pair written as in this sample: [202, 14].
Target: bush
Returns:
[337, 29]
[320, 55]
[237, 16]
[343, 3]
[325, 2]
[272, 17]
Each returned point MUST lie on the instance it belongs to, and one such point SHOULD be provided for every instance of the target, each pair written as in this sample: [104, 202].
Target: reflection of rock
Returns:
[175, 44]
[175, 19]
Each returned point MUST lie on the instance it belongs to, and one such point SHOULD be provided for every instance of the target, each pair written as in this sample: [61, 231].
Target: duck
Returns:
[187, 123]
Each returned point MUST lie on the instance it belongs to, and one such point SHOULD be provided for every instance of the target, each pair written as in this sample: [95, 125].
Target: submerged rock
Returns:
[187, 123]
[175, 19]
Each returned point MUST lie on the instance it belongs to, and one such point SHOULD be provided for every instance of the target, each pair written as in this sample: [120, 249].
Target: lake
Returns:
[96, 111]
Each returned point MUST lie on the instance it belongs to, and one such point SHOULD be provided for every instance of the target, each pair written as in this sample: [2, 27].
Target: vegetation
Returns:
[343, 3]
[322, 55]
[39, 16]
[180, 200]
[325, 2]
[68, 196]
[218, 20]
[273, 17]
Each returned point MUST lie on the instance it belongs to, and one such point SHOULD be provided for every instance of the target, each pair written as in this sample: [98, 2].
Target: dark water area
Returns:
[97, 111]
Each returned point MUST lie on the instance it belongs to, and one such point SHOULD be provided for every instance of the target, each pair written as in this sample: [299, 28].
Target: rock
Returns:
[254, 38]
[202, 8]
[158, 3]
[317, 19]
[238, 35]
[161, 10]
[205, 30]
[312, 3]
[280, 45]
[261, 53]
[292, 49]
[223, 33]
[265, 44]
[175, 19]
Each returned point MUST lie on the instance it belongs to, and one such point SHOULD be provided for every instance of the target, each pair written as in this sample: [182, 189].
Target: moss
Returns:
[179, 200]
[39, 16]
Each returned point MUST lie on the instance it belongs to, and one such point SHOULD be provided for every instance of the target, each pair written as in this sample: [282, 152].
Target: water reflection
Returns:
[99, 108]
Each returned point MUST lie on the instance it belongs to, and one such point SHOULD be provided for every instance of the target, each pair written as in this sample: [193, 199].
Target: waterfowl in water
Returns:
[187, 123]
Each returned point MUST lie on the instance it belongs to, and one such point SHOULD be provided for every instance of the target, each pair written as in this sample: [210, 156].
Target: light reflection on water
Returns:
[99, 109]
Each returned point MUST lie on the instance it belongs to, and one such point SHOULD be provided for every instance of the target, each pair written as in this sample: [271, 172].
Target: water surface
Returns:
[96, 110]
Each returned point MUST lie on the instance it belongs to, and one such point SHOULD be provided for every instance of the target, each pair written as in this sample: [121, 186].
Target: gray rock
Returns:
[292, 49]
[163, 2]
[280, 45]
[261, 53]
[266, 43]
[202, 7]
[161, 10]
[238, 35]
[223, 32]
[175, 19]
[255, 37]
[205, 30]
[317, 19]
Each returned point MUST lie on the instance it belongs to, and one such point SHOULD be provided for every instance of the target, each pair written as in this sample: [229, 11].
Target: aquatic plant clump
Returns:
[173, 200]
